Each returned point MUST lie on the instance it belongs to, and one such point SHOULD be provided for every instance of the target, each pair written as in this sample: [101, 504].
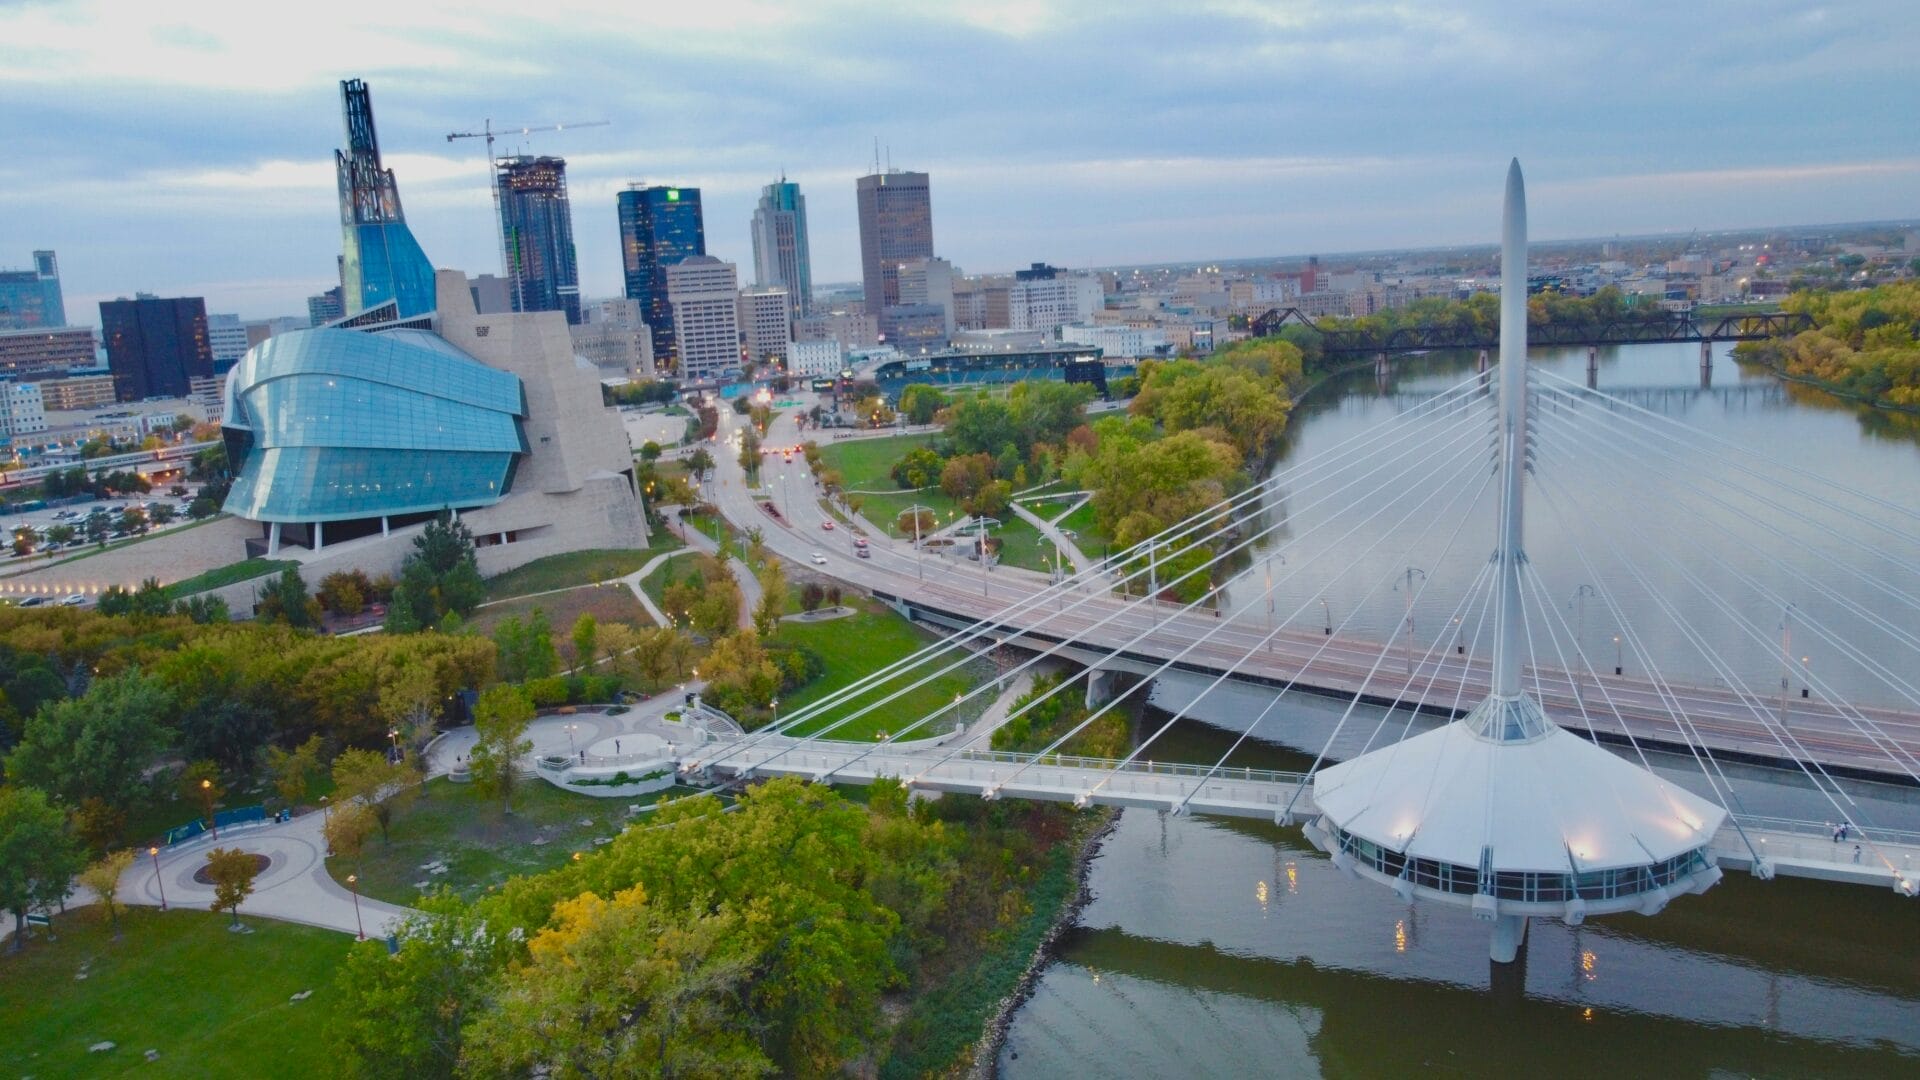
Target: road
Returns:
[963, 592]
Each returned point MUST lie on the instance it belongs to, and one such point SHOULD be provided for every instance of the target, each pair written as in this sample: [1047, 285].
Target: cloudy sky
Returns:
[185, 147]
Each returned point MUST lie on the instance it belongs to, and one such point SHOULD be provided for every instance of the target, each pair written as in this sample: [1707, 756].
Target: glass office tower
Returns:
[659, 226]
[536, 229]
[780, 245]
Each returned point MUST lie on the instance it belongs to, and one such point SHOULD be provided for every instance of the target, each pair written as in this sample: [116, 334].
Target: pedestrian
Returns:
[1856, 854]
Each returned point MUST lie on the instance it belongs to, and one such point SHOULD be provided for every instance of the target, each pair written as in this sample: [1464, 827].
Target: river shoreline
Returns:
[984, 1062]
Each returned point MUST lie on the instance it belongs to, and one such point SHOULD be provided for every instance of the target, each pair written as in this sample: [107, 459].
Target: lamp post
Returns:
[775, 706]
[393, 739]
[157, 879]
[1786, 658]
[1807, 675]
[1328, 613]
[1408, 591]
[326, 819]
[1579, 605]
[568, 728]
[359, 931]
[1616, 654]
[206, 791]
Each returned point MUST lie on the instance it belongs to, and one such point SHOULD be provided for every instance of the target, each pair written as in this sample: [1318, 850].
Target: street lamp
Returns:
[568, 728]
[775, 706]
[1806, 674]
[157, 879]
[359, 931]
[393, 738]
[206, 790]
[1328, 612]
[1408, 592]
[1616, 654]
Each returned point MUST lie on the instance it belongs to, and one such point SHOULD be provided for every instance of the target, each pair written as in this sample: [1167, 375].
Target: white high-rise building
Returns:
[928, 281]
[227, 337]
[705, 295]
[767, 324]
[1045, 303]
[614, 338]
[813, 358]
[780, 258]
[21, 410]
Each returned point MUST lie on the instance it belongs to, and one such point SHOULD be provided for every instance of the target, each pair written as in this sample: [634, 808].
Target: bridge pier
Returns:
[1481, 366]
[1509, 935]
[1706, 364]
[1381, 372]
[1593, 367]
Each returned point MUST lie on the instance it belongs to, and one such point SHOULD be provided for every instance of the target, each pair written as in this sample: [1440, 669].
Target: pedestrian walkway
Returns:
[1060, 539]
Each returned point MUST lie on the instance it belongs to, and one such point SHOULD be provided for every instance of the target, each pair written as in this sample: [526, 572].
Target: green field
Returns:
[232, 573]
[577, 568]
[454, 824]
[861, 644]
[213, 1003]
[863, 464]
[1021, 544]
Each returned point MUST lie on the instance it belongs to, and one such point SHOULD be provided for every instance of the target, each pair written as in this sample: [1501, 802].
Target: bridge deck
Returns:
[1717, 718]
[1795, 848]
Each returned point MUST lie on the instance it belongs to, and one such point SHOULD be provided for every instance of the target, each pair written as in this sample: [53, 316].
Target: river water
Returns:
[1231, 948]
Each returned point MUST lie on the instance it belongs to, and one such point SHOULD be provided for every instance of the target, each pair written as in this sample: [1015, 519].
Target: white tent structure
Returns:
[1503, 811]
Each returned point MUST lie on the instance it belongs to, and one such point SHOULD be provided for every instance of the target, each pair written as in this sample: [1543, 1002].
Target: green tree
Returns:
[773, 598]
[585, 637]
[500, 720]
[103, 877]
[400, 1016]
[525, 650]
[38, 855]
[700, 462]
[292, 770]
[61, 534]
[383, 786]
[203, 608]
[96, 746]
[164, 514]
[440, 576]
[99, 527]
[345, 592]
[232, 871]
[921, 403]
[284, 599]
[346, 829]
[622, 988]
[981, 425]
[25, 537]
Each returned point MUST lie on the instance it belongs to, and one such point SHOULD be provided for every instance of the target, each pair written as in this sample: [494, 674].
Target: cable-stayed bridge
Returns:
[1512, 808]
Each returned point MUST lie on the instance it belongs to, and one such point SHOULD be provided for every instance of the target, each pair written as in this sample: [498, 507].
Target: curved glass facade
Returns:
[328, 425]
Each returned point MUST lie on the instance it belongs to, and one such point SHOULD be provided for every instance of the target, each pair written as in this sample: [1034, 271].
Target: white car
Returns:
[819, 559]
[73, 600]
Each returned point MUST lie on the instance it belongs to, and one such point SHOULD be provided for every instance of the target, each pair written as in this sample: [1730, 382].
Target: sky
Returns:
[185, 148]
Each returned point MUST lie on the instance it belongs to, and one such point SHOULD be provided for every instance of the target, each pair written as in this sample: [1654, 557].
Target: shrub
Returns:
[547, 692]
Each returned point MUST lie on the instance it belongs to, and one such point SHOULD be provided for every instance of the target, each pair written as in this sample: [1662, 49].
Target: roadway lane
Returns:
[961, 590]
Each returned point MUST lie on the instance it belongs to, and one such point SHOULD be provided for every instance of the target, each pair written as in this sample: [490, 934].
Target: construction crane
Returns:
[486, 132]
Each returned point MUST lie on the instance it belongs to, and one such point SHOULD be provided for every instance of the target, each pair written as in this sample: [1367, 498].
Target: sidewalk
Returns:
[1081, 563]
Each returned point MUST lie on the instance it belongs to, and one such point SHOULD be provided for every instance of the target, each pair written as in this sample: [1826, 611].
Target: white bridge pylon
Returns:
[1502, 810]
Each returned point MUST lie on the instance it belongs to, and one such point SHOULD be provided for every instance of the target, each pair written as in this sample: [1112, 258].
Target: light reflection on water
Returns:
[1229, 948]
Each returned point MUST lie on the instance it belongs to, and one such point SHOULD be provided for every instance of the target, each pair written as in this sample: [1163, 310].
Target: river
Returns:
[1229, 948]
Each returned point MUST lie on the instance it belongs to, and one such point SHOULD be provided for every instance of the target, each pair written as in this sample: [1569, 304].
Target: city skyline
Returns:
[1243, 131]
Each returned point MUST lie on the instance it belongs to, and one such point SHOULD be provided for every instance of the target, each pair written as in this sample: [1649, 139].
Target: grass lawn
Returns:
[863, 464]
[232, 573]
[678, 569]
[860, 644]
[1022, 545]
[453, 823]
[607, 603]
[214, 1004]
[577, 568]
[884, 510]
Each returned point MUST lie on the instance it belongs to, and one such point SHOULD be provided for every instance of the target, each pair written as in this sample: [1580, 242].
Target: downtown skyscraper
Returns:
[780, 258]
[30, 299]
[896, 226]
[659, 226]
[536, 233]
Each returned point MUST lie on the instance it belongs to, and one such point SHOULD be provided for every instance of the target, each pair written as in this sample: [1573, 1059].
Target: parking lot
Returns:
[76, 516]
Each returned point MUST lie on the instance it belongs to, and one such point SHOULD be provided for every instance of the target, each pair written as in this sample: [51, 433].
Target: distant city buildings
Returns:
[704, 295]
[896, 227]
[30, 299]
[766, 325]
[156, 347]
[323, 308]
[780, 258]
[916, 327]
[615, 339]
[77, 392]
[1128, 342]
[659, 226]
[852, 329]
[21, 410]
[33, 354]
[926, 282]
[382, 267]
[815, 358]
[536, 228]
[227, 340]
[1056, 299]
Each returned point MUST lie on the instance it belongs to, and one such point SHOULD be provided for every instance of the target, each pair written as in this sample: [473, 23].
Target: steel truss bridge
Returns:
[1675, 326]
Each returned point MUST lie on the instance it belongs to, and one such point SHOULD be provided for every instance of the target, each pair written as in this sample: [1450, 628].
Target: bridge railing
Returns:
[1150, 768]
[1824, 830]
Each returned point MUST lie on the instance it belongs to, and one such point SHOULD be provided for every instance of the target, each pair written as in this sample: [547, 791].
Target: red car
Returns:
[828, 524]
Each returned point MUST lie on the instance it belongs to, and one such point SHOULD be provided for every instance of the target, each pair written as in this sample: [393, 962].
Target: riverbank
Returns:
[1779, 371]
[986, 1053]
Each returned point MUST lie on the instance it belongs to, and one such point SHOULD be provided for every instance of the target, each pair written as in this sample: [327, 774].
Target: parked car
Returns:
[35, 601]
[73, 600]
